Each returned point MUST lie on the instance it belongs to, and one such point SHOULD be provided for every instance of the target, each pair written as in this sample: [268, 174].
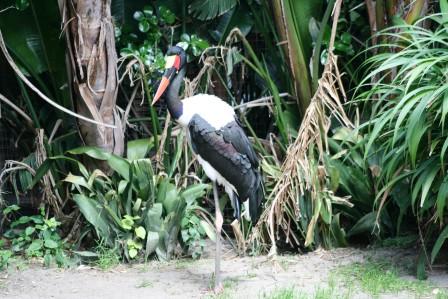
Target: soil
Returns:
[246, 277]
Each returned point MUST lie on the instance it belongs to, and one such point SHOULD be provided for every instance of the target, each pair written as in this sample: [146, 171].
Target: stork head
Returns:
[175, 60]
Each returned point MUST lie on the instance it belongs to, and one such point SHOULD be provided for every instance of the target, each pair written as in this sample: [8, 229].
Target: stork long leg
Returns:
[218, 222]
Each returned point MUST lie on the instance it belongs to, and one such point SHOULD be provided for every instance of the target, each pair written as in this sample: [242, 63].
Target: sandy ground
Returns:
[248, 277]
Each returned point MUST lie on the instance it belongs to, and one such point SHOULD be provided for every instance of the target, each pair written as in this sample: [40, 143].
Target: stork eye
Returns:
[169, 61]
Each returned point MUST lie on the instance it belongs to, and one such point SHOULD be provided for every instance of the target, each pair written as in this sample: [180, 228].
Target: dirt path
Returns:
[245, 277]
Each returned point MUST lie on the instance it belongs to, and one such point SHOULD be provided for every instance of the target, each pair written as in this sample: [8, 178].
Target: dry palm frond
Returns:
[303, 170]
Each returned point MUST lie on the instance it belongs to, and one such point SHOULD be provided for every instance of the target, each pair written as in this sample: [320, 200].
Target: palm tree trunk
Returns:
[93, 61]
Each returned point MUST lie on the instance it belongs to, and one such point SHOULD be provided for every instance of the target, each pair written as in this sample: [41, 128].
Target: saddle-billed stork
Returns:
[219, 143]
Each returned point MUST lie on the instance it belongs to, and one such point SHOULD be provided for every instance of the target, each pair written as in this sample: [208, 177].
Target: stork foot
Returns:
[219, 288]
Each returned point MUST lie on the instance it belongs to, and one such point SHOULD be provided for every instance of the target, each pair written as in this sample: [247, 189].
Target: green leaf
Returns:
[138, 15]
[209, 9]
[140, 232]
[49, 243]
[444, 11]
[22, 4]
[36, 245]
[122, 186]
[439, 242]
[133, 253]
[143, 26]
[429, 175]
[90, 151]
[442, 197]
[194, 192]
[416, 130]
[209, 231]
[127, 223]
[138, 149]
[77, 180]
[153, 219]
[152, 241]
[168, 196]
[421, 266]
[363, 225]
[95, 214]
[120, 165]
[29, 230]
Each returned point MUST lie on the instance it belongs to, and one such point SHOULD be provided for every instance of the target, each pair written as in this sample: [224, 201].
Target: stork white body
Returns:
[218, 114]
[214, 110]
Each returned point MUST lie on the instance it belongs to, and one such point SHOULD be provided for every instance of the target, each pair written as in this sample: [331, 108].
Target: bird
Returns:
[220, 144]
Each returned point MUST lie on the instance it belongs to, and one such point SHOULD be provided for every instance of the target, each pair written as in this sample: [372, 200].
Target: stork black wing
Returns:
[234, 134]
[229, 152]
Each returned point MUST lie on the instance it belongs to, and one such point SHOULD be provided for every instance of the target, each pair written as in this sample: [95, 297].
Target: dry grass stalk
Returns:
[302, 171]
[51, 195]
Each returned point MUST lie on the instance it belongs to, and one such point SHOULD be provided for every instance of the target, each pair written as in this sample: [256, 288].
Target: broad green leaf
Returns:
[193, 192]
[209, 231]
[153, 220]
[77, 180]
[152, 241]
[140, 232]
[137, 205]
[96, 174]
[138, 149]
[168, 196]
[120, 165]
[133, 253]
[30, 230]
[49, 243]
[36, 245]
[95, 214]
[143, 25]
[138, 15]
[209, 9]
[90, 151]
[444, 11]
[122, 186]
[364, 225]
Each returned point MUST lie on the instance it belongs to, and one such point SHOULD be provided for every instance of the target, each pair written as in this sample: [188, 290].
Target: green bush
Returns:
[34, 236]
[135, 210]
[407, 97]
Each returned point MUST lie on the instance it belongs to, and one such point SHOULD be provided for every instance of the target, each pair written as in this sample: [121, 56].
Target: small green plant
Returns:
[107, 257]
[36, 236]
[5, 255]
[328, 292]
[377, 278]
[194, 230]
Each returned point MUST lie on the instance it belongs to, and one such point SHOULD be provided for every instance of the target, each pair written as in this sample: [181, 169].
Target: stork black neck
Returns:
[175, 106]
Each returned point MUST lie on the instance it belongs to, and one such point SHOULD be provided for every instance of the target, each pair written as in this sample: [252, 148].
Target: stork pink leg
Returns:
[218, 222]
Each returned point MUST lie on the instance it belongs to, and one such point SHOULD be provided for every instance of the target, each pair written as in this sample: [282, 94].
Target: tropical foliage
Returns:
[344, 100]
